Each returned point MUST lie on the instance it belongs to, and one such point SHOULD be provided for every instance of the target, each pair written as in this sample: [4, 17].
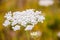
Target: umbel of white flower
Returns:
[27, 19]
[46, 2]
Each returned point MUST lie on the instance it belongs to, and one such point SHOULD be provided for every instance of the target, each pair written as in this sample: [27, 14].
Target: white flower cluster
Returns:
[46, 2]
[27, 18]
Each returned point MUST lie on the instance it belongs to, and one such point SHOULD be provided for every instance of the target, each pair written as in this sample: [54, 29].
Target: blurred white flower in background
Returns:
[46, 2]
[58, 34]
[27, 18]
[36, 34]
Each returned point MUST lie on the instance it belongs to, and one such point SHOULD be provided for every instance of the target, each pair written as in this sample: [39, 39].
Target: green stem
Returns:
[27, 34]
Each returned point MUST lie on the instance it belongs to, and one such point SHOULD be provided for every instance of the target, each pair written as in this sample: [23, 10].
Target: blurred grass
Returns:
[48, 28]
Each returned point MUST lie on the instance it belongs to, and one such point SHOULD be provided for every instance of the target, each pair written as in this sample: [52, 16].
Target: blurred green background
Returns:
[49, 28]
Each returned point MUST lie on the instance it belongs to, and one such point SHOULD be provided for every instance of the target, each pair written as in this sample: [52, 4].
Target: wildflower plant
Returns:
[46, 2]
[27, 19]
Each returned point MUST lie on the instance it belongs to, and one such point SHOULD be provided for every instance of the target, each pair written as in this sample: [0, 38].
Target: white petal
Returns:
[29, 27]
[17, 27]
[41, 18]
[23, 23]
[14, 22]
[6, 23]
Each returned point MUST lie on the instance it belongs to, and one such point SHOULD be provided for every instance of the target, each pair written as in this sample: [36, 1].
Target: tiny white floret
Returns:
[6, 23]
[17, 27]
[29, 27]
